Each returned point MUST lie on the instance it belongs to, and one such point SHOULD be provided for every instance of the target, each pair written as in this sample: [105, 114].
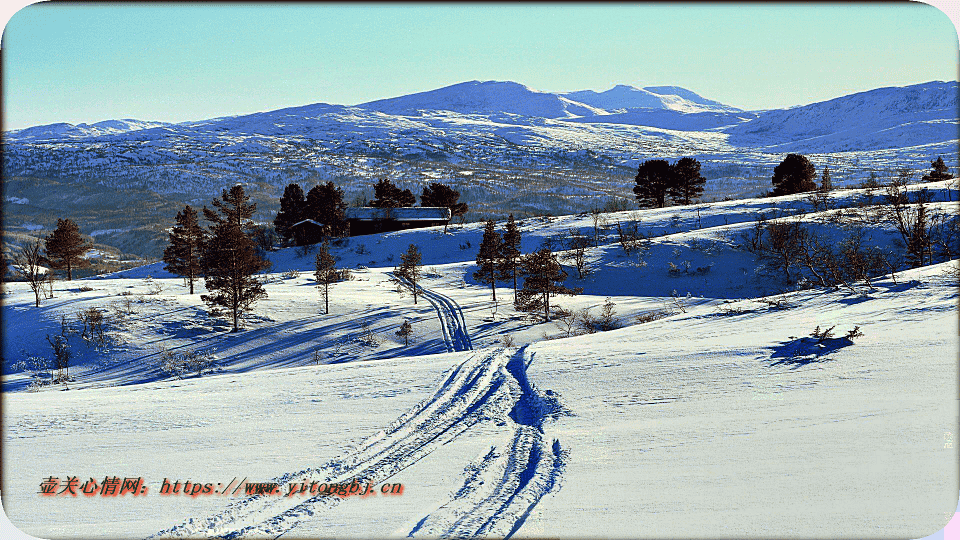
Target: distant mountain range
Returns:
[507, 147]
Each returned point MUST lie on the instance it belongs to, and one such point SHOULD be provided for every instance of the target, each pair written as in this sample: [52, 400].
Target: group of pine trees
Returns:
[224, 254]
[796, 174]
[500, 259]
[657, 179]
[324, 204]
[63, 249]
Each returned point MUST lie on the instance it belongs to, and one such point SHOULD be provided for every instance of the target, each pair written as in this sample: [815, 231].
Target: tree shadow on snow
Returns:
[807, 350]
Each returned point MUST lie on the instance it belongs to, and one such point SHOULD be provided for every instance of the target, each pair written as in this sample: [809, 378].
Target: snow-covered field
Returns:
[723, 418]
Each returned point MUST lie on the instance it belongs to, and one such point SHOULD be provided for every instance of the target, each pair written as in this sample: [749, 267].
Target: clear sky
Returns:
[173, 62]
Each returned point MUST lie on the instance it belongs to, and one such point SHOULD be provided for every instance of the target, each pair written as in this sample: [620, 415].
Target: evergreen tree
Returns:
[441, 195]
[794, 174]
[825, 183]
[235, 208]
[406, 329]
[65, 246]
[387, 195]
[512, 253]
[230, 259]
[325, 205]
[326, 273]
[186, 246]
[652, 182]
[410, 269]
[490, 259]
[686, 184]
[939, 171]
[543, 278]
[292, 209]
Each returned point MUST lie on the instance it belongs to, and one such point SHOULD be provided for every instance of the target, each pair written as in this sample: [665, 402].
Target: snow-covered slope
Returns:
[883, 118]
[719, 417]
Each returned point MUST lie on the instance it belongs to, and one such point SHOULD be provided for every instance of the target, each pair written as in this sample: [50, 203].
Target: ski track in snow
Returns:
[452, 323]
[502, 489]
[487, 386]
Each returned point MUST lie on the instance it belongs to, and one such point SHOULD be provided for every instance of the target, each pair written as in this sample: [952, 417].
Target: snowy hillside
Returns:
[709, 411]
[882, 118]
[501, 144]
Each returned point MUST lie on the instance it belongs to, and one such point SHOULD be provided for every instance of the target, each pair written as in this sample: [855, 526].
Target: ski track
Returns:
[452, 322]
[487, 386]
[502, 488]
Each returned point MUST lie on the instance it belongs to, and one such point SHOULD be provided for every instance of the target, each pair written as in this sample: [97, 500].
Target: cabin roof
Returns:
[417, 213]
[297, 224]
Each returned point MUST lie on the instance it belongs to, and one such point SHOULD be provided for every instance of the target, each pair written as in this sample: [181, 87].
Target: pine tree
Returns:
[794, 174]
[230, 259]
[825, 183]
[543, 277]
[292, 208]
[490, 259]
[387, 195]
[939, 171]
[686, 184]
[406, 330]
[410, 269]
[326, 273]
[652, 182]
[441, 195]
[186, 246]
[325, 205]
[65, 246]
[512, 253]
[235, 208]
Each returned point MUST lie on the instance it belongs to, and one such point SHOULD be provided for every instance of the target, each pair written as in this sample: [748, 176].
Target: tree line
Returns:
[500, 258]
[324, 204]
[658, 180]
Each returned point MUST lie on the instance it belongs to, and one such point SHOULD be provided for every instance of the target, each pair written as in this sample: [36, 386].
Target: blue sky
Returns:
[85, 63]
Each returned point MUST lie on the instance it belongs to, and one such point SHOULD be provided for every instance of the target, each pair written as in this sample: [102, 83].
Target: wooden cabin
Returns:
[370, 220]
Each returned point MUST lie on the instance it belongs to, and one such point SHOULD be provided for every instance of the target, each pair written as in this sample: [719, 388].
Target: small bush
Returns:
[650, 316]
[85, 288]
[293, 273]
[368, 337]
[179, 364]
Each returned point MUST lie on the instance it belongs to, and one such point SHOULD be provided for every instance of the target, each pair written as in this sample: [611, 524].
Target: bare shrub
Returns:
[368, 337]
[293, 273]
[28, 263]
[650, 316]
[752, 239]
[61, 357]
[179, 364]
[577, 245]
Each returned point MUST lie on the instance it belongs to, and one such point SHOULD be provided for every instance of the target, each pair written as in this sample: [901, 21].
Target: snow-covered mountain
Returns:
[506, 147]
[484, 97]
[673, 98]
[891, 117]
[71, 131]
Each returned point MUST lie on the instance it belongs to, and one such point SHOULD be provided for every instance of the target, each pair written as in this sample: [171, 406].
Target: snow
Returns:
[722, 418]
